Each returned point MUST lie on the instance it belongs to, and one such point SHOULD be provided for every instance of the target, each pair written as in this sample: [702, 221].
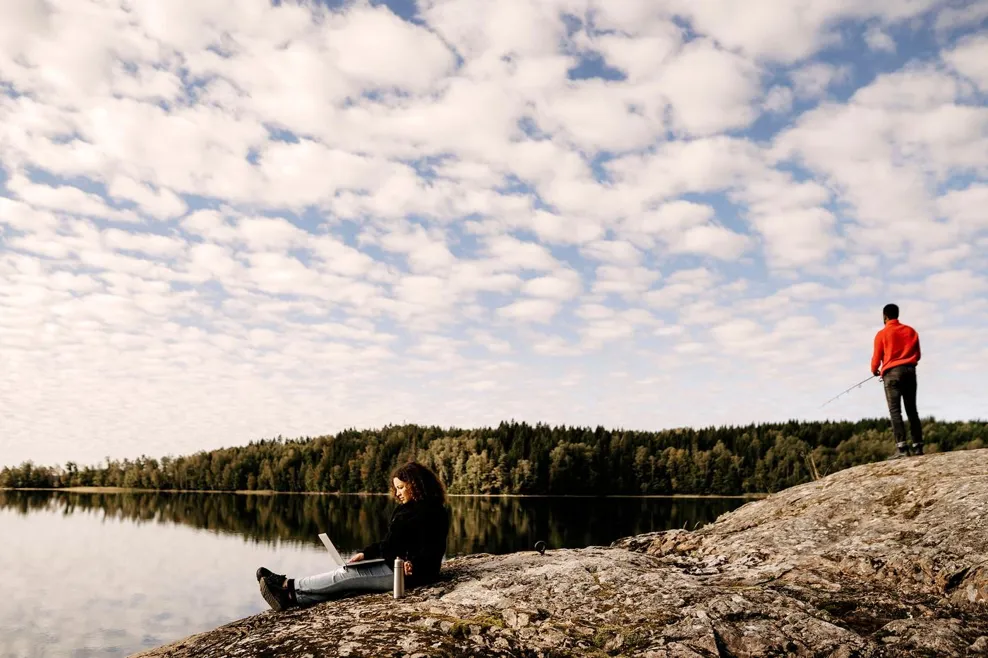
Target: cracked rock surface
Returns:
[886, 559]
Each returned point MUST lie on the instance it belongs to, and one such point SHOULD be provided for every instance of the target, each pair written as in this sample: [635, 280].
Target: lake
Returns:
[110, 574]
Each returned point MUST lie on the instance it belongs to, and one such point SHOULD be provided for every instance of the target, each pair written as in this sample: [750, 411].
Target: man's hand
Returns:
[408, 568]
[877, 373]
[357, 558]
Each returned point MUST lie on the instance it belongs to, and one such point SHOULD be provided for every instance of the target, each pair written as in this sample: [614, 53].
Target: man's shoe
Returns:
[275, 593]
[262, 573]
[901, 450]
[917, 448]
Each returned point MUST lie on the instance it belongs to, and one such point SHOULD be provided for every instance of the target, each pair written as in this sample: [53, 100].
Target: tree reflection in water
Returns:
[479, 524]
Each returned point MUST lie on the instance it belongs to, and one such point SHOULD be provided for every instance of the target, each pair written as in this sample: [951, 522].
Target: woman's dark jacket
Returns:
[417, 534]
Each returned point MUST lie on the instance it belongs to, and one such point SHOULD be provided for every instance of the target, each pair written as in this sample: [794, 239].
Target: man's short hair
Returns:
[891, 311]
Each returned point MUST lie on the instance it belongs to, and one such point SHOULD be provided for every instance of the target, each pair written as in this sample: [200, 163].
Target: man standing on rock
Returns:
[895, 358]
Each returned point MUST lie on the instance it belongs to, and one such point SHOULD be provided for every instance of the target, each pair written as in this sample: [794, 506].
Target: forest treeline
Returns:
[518, 458]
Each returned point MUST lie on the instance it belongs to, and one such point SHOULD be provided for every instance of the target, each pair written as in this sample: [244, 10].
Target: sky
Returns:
[226, 220]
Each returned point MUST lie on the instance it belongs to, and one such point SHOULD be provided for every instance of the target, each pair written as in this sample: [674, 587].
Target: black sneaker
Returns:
[917, 448]
[262, 573]
[901, 450]
[275, 593]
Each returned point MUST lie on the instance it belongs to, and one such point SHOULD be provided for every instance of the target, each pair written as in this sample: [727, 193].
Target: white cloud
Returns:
[625, 281]
[879, 40]
[424, 291]
[357, 40]
[147, 243]
[688, 166]
[612, 251]
[886, 150]
[909, 89]
[561, 285]
[278, 273]
[598, 333]
[715, 241]
[512, 253]
[965, 209]
[424, 252]
[969, 59]
[676, 216]
[778, 100]
[491, 342]
[64, 198]
[525, 28]
[595, 116]
[23, 217]
[938, 258]
[798, 237]
[740, 333]
[530, 310]
[710, 90]
[954, 285]
[640, 58]
[161, 204]
[951, 18]
[209, 224]
[571, 229]
[296, 212]
[789, 32]
[556, 346]
[212, 262]
[813, 80]
[483, 276]
[264, 233]
[681, 286]
[788, 215]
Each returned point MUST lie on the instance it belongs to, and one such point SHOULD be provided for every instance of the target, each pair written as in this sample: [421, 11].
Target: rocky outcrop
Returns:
[887, 559]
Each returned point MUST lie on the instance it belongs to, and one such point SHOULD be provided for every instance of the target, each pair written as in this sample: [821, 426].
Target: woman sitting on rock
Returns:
[417, 534]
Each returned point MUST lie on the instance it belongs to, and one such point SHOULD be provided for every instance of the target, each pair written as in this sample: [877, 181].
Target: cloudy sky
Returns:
[222, 220]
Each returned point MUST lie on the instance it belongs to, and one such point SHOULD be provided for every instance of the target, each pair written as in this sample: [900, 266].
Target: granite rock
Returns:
[886, 559]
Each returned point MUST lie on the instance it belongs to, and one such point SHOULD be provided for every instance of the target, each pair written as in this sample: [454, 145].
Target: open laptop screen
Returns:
[334, 555]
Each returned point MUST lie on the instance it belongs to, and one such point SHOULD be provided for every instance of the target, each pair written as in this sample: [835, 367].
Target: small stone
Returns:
[516, 618]
[614, 643]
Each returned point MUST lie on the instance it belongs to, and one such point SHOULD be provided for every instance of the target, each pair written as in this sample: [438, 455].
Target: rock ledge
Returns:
[886, 559]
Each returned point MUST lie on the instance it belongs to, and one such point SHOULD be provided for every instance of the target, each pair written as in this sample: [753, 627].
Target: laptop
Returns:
[334, 555]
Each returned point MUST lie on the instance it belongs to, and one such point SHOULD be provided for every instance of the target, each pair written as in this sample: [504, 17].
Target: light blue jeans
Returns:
[348, 579]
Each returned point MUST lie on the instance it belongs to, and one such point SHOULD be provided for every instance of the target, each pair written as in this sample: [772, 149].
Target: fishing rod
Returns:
[858, 385]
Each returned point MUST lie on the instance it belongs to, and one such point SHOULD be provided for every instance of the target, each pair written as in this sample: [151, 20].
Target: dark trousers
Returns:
[900, 389]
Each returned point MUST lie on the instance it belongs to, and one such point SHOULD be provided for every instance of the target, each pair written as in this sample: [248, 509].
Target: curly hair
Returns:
[423, 484]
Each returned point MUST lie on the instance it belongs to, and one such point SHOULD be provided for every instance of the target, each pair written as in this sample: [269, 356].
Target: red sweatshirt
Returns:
[895, 345]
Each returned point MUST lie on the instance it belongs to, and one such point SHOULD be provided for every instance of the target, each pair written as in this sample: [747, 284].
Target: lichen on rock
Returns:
[886, 559]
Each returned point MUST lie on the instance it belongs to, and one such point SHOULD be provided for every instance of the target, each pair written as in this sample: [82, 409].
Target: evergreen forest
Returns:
[518, 458]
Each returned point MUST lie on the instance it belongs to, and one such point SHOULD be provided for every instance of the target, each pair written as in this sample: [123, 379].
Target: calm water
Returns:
[114, 573]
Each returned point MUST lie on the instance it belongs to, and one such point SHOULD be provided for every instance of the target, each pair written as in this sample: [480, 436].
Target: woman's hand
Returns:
[408, 568]
[357, 558]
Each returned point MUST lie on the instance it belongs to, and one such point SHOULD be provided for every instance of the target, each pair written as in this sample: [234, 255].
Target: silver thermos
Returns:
[399, 578]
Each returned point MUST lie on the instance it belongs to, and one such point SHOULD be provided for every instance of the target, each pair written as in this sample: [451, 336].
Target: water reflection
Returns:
[491, 525]
[109, 574]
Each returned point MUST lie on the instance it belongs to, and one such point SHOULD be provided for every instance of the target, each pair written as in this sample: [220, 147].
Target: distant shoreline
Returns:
[269, 492]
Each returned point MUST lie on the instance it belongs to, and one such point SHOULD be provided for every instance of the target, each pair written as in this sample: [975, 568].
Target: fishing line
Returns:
[848, 390]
